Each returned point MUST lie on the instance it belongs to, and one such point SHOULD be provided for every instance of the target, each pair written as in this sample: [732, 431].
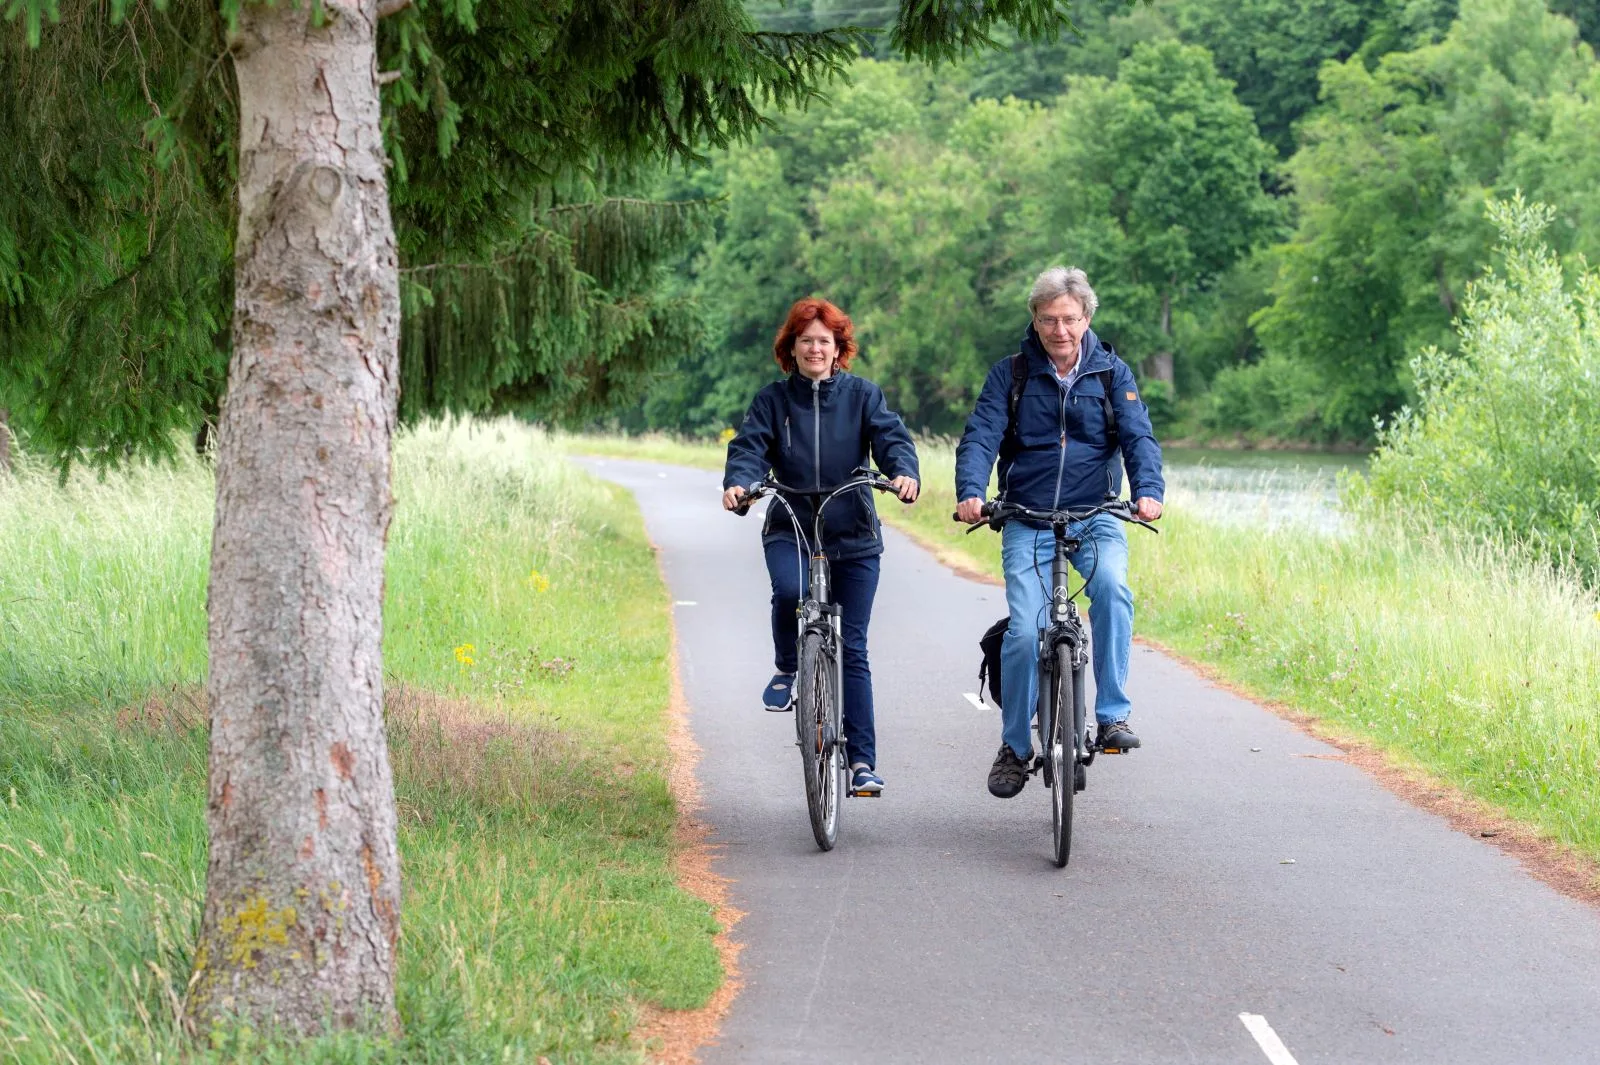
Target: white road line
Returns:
[972, 697]
[1271, 1045]
[684, 602]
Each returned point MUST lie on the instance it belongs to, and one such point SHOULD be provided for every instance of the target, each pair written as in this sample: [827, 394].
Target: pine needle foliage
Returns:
[949, 29]
[116, 223]
[503, 334]
[119, 138]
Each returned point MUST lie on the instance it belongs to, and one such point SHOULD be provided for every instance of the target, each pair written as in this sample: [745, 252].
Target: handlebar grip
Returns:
[751, 495]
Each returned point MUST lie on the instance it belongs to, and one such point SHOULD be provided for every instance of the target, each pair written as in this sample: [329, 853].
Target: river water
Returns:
[1275, 488]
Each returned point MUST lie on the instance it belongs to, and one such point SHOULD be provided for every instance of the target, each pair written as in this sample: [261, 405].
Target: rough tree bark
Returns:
[302, 909]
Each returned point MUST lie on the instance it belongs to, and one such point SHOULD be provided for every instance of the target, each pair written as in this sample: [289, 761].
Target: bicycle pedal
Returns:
[1115, 750]
[865, 794]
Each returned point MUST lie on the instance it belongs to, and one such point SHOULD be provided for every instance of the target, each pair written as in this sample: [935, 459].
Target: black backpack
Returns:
[989, 669]
[1010, 444]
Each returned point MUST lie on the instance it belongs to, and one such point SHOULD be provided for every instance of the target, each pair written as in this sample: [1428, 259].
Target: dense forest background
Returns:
[1280, 202]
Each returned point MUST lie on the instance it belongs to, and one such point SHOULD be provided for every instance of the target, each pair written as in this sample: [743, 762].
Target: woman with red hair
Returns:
[810, 431]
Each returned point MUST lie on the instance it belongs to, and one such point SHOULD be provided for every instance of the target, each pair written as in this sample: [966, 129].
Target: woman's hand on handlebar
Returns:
[970, 510]
[1148, 509]
[730, 498]
[906, 488]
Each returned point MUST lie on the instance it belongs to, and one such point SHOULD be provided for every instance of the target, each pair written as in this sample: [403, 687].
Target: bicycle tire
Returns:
[820, 753]
[1063, 753]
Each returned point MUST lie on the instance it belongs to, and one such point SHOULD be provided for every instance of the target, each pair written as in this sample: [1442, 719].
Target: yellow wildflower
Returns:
[724, 436]
[538, 581]
[464, 654]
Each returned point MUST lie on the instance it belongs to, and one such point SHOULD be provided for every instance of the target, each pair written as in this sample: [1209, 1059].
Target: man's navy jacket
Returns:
[810, 435]
[1066, 458]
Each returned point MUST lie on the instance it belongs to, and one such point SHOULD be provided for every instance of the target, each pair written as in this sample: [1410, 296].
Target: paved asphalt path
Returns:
[938, 930]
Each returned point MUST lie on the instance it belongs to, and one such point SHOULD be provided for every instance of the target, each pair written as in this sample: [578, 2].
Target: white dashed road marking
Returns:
[972, 697]
[684, 602]
[1271, 1045]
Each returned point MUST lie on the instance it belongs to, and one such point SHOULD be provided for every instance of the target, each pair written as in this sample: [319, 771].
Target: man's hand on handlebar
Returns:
[1148, 509]
[906, 488]
[730, 498]
[970, 510]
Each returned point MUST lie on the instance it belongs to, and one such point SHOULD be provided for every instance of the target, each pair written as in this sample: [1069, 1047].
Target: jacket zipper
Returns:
[816, 428]
[788, 440]
[1061, 461]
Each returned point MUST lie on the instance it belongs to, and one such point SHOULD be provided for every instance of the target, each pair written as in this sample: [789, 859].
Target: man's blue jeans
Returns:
[855, 585]
[1026, 555]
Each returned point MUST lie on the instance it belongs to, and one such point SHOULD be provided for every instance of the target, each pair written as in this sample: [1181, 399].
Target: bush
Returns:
[1162, 401]
[1278, 397]
[1501, 443]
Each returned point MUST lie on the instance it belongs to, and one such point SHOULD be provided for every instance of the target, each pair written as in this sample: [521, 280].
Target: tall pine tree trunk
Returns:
[302, 909]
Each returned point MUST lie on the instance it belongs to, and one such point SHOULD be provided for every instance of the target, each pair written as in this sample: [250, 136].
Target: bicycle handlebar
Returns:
[861, 475]
[997, 512]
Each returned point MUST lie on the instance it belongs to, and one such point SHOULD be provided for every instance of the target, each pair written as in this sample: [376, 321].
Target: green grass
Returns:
[536, 824]
[649, 447]
[1466, 662]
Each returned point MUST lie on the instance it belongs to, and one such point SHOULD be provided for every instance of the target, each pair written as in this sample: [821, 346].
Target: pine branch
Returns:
[941, 30]
[549, 323]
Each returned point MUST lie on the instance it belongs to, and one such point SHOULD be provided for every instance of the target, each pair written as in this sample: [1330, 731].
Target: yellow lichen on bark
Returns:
[254, 928]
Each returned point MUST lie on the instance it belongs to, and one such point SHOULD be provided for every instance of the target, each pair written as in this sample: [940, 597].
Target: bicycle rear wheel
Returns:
[821, 754]
[1063, 752]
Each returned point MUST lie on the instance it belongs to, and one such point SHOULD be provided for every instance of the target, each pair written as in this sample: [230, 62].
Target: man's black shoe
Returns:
[1009, 773]
[1117, 736]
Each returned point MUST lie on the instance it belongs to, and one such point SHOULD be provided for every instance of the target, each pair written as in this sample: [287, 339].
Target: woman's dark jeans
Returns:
[855, 583]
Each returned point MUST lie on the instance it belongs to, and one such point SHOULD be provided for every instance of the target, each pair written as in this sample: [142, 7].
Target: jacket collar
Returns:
[1092, 354]
[800, 384]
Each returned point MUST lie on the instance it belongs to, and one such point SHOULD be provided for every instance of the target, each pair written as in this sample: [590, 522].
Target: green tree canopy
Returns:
[116, 211]
[1389, 187]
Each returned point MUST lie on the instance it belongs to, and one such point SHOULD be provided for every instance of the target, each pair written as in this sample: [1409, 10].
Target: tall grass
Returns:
[1474, 663]
[526, 644]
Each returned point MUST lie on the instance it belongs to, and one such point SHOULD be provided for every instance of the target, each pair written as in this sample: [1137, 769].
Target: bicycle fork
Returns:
[818, 607]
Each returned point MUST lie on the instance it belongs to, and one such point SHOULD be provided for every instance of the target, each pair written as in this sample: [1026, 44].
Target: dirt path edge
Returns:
[675, 1037]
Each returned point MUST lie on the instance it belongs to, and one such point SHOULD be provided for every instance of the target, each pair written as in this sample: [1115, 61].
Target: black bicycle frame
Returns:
[1065, 627]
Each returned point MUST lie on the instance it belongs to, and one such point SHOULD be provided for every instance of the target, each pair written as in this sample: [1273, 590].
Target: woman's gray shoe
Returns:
[1009, 773]
[779, 695]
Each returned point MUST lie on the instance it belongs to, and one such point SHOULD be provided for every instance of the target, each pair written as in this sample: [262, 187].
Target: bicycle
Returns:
[1063, 657]
[818, 708]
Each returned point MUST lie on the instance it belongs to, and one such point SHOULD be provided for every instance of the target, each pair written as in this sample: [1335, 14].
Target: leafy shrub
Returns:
[1501, 443]
[1278, 397]
[1162, 401]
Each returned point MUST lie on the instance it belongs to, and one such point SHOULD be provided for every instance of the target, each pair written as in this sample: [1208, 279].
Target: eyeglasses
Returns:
[1052, 322]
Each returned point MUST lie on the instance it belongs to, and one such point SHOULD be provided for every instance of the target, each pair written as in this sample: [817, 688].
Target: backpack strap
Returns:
[1011, 443]
[1112, 436]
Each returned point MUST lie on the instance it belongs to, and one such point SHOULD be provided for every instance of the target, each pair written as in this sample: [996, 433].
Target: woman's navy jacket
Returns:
[811, 434]
[1066, 458]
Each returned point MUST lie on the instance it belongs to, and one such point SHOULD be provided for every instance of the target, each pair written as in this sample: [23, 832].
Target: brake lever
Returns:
[752, 495]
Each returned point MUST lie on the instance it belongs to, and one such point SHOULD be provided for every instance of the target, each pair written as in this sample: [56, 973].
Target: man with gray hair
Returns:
[1061, 416]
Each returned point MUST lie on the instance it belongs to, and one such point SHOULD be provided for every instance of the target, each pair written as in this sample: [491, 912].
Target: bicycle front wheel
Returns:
[1063, 752]
[821, 750]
